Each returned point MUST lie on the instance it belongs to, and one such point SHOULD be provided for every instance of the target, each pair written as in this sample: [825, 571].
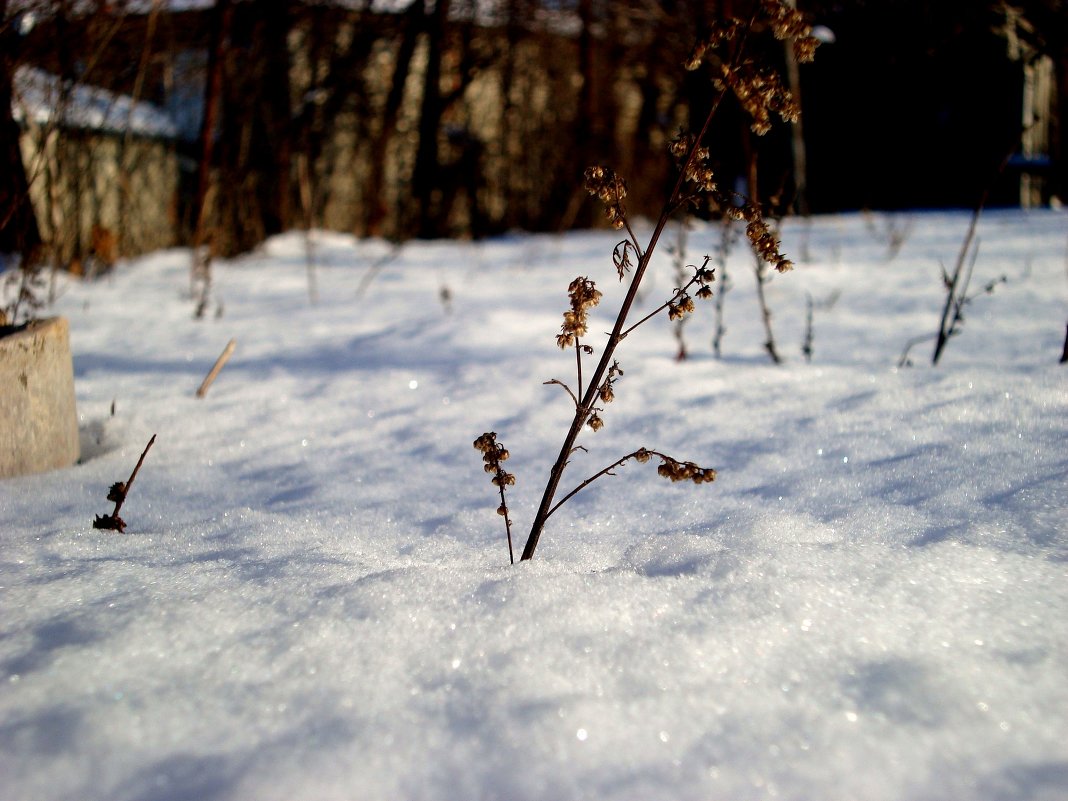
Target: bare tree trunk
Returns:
[425, 182]
[277, 115]
[222, 21]
[18, 223]
[375, 205]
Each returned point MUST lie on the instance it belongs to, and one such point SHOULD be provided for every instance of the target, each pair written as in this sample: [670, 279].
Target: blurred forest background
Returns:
[130, 126]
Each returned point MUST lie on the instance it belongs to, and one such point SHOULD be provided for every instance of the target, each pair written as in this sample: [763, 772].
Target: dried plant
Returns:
[728, 235]
[760, 92]
[678, 254]
[809, 339]
[891, 230]
[957, 298]
[117, 495]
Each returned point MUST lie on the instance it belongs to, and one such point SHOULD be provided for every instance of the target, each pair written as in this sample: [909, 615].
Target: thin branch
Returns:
[943, 331]
[578, 366]
[567, 389]
[224, 357]
[765, 313]
[643, 455]
[376, 267]
[117, 494]
[507, 524]
[678, 294]
[904, 360]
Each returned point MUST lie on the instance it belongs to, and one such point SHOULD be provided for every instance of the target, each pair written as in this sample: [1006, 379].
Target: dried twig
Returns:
[951, 310]
[224, 357]
[376, 267]
[117, 494]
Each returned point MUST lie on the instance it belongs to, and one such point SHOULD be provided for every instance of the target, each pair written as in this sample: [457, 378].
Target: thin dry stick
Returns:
[224, 357]
[760, 271]
[376, 267]
[810, 334]
[117, 494]
[724, 284]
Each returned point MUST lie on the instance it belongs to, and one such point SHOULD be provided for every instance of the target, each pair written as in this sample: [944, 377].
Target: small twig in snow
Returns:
[224, 357]
[117, 494]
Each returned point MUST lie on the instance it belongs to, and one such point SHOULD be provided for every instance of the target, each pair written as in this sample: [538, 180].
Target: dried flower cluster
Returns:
[758, 89]
[675, 470]
[493, 453]
[680, 307]
[698, 168]
[723, 32]
[704, 276]
[763, 241]
[761, 94]
[606, 392]
[584, 296]
[610, 189]
[788, 24]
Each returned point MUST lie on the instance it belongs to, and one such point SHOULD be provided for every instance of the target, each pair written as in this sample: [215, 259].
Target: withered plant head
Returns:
[763, 241]
[584, 295]
[493, 453]
[606, 392]
[684, 471]
[758, 88]
[610, 189]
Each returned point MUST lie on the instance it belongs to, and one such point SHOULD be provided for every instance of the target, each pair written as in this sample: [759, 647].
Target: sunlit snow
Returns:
[313, 598]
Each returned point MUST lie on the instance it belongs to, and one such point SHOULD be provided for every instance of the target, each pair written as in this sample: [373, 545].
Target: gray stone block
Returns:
[38, 419]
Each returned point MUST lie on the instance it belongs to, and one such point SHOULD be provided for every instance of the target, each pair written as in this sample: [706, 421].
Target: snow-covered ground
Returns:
[313, 598]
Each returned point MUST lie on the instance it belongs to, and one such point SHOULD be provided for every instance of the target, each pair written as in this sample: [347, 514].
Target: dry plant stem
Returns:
[376, 267]
[224, 357]
[118, 494]
[724, 286]
[806, 345]
[674, 298]
[578, 365]
[585, 405]
[945, 325]
[760, 271]
[765, 313]
[944, 330]
[507, 525]
[646, 452]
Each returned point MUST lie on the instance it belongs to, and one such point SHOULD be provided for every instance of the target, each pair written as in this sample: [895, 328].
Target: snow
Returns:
[313, 597]
[39, 98]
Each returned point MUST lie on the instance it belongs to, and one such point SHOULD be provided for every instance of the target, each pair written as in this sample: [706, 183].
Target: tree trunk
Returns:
[425, 183]
[376, 210]
[222, 21]
[18, 223]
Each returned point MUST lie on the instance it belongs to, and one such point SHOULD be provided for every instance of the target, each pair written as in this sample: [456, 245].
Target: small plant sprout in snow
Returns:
[760, 92]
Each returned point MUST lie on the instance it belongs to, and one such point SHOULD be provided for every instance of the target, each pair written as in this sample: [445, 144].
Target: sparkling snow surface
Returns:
[313, 599]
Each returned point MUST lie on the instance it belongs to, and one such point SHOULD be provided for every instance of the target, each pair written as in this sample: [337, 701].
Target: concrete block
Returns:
[38, 419]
